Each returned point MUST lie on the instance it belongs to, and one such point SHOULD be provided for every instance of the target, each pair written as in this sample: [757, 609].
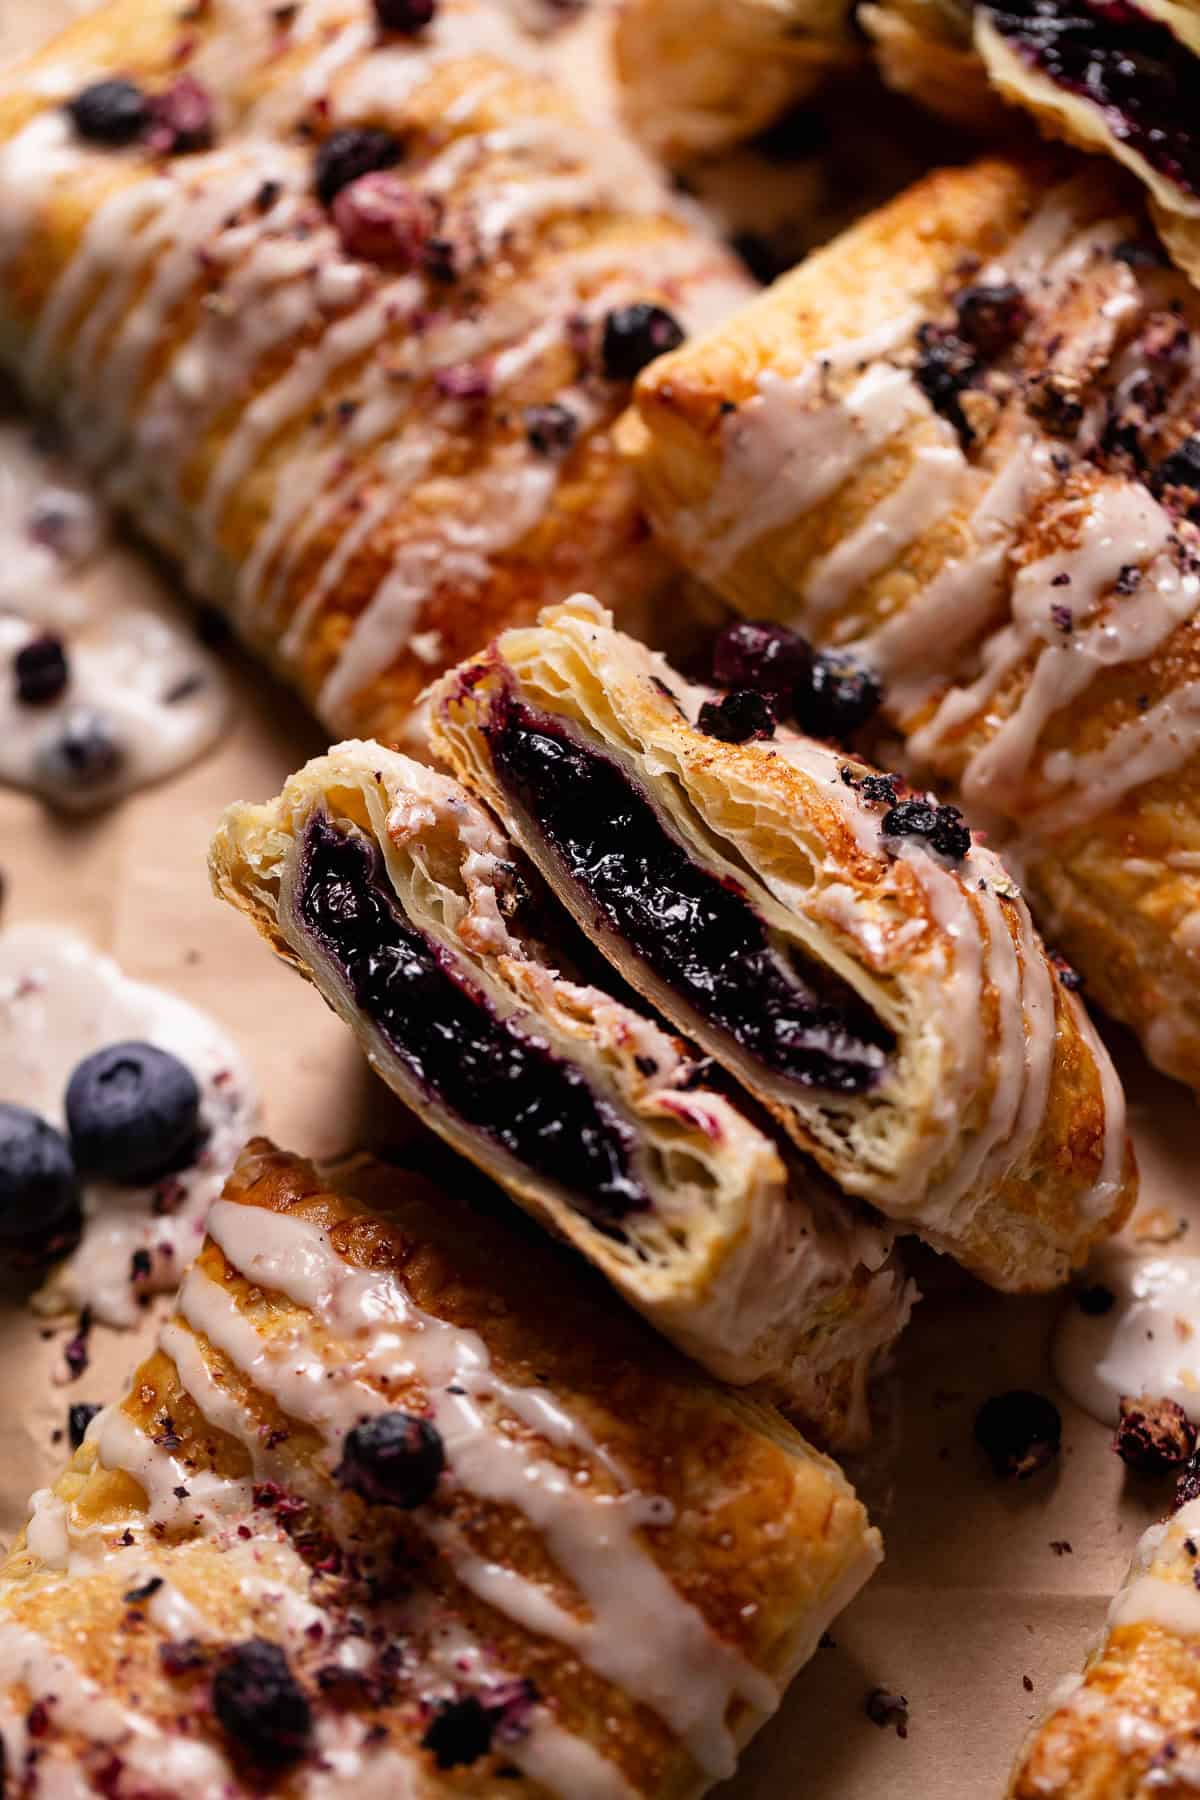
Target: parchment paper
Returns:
[973, 1599]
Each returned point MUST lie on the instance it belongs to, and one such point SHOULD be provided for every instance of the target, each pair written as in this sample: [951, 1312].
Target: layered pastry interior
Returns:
[1130, 1723]
[960, 446]
[342, 312]
[372, 1519]
[866, 970]
[423, 926]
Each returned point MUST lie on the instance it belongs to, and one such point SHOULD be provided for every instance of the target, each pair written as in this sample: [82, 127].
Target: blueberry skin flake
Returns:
[133, 1112]
[39, 1189]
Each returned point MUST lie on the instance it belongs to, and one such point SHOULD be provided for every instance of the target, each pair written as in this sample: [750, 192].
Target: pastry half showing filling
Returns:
[1123, 79]
[419, 922]
[960, 448]
[850, 956]
[374, 1518]
[700, 75]
[925, 49]
[341, 309]
[1129, 1725]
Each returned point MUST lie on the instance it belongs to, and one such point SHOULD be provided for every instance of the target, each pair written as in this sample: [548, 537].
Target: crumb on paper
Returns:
[885, 1708]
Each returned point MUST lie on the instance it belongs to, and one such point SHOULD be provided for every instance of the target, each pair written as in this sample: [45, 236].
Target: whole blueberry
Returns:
[114, 111]
[738, 717]
[346, 155]
[459, 1733]
[39, 1190]
[394, 1459]
[260, 1704]
[133, 1112]
[82, 756]
[634, 336]
[405, 16]
[835, 697]
[41, 670]
[79, 1416]
[754, 653]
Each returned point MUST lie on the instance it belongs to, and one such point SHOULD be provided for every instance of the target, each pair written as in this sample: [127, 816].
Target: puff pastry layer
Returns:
[1129, 1727]
[896, 1012]
[962, 442]
[371, 417]
[699, 75]
[590, 1578]
[385, 884]
[1123, 82]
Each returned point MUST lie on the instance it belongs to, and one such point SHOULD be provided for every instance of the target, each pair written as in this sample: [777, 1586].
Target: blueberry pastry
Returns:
[341, 310]
[393, 891]
[844, 949]
[375, 1518]
[1121, 79]
[961, 446]
[1129, 1726]
[699, 75]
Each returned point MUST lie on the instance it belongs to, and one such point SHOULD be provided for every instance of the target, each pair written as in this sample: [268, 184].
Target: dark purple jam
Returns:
[696, 932]
[497, 1080]
[1146, 82]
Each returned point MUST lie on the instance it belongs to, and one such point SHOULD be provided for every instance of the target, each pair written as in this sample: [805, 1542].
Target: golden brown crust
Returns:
[1070, 427]
[762, 1531]
[332, 433]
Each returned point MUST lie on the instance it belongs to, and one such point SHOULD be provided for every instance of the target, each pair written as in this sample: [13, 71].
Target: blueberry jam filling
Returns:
[1111, 53]
[698, 933]
[497, 1080]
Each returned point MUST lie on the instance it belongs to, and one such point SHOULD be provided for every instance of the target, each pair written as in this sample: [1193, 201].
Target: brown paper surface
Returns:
[972, 1598]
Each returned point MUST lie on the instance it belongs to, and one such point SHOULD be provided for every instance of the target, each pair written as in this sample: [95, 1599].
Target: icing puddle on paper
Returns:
[60, 1000]
[100, 692]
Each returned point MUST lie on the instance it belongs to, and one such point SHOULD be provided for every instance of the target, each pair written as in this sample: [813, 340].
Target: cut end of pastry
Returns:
[355, 1384]
[396, 894]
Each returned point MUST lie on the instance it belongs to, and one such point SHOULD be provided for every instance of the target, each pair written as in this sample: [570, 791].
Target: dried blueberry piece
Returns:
[394, 1459]
[79, 1417]
[1153, 1436]
[384, 219]
[346, 155]
[737, 717]
[406, 16]
[835, 697]
[884, 1708]
[114, 111]
[1187, 1488]
[83, 755]
[41, 669]
[133, 1112]
[260, 1704]
[459, 1733]
[39, 1190]
[946, 367]
[941, 827]
[754, 653]
[1181, 469]
[634, 336]
[183, 119]
[550, 430]
[991, 318]
[1095, 1300]
[1021, 1431]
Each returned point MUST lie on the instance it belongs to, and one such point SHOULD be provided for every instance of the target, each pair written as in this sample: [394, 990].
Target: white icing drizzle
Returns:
[1147, 1343]
[59, 1001]
[135, 679]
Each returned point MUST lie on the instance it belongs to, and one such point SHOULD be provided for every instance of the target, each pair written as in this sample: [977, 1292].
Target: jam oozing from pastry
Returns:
[698, 933]
[496, 1078]
[1112, 54]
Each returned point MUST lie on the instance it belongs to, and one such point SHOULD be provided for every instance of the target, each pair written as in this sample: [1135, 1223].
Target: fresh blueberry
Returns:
[83, 754]
[634, 336]
[79, 1417]
[738, 717]
[260, 1704]
[346, 155]
[835, 697]
[459, 1733]
[394, 1459]
[133, 1112]
[39, 1190]
[405, 16]
[110, 112]
[41, 670]
[757, 654]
